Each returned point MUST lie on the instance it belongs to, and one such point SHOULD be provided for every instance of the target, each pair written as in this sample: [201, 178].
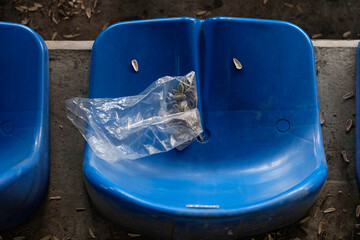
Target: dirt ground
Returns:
[85, 19]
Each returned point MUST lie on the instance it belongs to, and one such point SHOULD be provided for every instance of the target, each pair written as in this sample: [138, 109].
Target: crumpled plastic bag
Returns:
[164, 116]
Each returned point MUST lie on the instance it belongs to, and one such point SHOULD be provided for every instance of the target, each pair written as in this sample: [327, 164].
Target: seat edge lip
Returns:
[259, 20]
[309, 185]
[148, 21]
[39, 40]
[28, 164]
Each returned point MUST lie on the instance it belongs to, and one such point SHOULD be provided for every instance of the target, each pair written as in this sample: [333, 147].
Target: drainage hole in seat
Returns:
[204, 136]
[283, 125]
[7, 127]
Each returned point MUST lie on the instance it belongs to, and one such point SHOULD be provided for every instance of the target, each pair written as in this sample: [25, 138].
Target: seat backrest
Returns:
[23, 76]
[278, 66]
[162, 47]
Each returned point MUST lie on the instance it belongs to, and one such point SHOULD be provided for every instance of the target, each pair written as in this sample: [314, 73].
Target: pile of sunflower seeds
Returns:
[185, 99]
[185, 95]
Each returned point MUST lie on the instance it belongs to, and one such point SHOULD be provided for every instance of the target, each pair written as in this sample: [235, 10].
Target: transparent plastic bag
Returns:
[164, 116]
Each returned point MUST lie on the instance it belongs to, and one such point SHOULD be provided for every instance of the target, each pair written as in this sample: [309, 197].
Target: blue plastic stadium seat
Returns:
[264, 164]
[24, 122]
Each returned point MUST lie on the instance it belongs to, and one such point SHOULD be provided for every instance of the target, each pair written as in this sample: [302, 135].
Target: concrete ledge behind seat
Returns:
[69, 45]
[87, 45]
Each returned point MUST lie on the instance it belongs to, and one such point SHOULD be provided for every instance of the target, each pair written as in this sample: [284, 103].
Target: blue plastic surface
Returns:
[24, 122]
[262, 173]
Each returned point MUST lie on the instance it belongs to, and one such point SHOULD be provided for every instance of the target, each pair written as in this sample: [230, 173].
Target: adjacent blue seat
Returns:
[24, 122]
[264, 164]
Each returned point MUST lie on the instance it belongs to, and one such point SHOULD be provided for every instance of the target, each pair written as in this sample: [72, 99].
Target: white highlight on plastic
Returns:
[201, 206]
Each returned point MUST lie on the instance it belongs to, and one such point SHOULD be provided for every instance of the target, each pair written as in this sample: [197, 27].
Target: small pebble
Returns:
[71, 36]
[55, 198]
[315, 36]
[345, 157]
[346, 34]
[304, 220]
[47, 237]
[19, 238]
[349, 124]
[92, 235]
[25, 21]
[329, 210]
[348, 95]
[316, 212]
[322, 118]
[53, 36]
[320, 228]
[269, 237]
[289, 5]
[133, 235]
[202, 12]
[299, 8]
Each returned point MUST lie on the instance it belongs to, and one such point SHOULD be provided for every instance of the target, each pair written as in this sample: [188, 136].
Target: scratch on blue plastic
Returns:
[260, 177]
[24, 120]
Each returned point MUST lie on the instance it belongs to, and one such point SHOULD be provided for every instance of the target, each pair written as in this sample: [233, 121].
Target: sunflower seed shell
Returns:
[237, 64]
[135, 65]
